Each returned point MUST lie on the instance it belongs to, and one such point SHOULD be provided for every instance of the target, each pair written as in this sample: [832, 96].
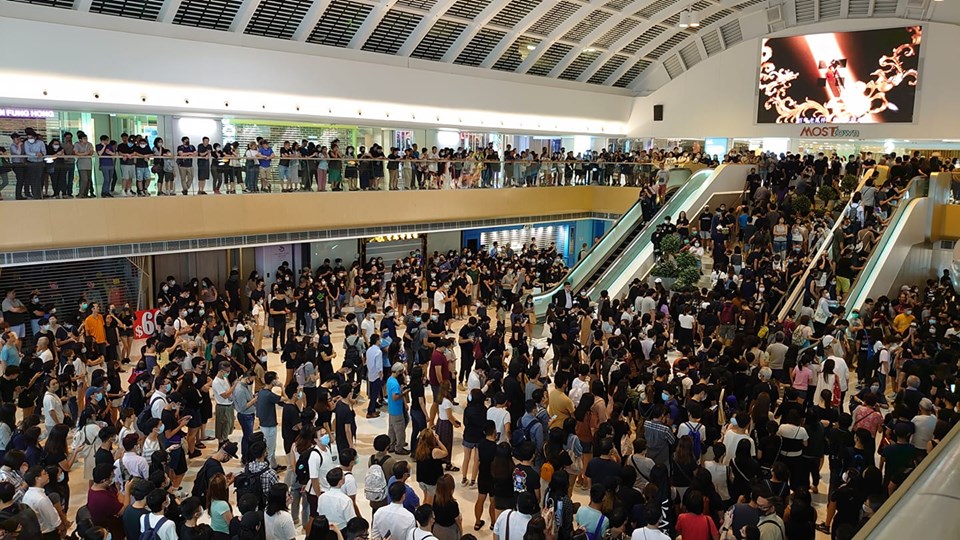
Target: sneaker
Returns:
[184, 192]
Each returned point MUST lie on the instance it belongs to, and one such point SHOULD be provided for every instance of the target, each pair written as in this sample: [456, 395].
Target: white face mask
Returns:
[31, 140]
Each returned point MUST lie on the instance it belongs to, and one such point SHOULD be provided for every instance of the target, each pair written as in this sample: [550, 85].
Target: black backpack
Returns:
[302, 471]
[147, 414]
[249, 482]
[151, 533]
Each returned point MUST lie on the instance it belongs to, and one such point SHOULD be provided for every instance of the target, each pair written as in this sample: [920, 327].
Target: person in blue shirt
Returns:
[35, 151]
[266, 174]
[401, 473]
[397, 426]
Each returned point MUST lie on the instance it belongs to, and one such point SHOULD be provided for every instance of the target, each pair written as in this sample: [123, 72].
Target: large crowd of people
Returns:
[647, 413]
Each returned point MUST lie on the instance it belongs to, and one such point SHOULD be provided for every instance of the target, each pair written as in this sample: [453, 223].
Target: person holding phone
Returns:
[171, 436]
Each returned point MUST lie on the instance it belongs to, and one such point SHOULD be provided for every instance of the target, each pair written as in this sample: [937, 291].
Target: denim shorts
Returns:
[470, 445]
[143, 174]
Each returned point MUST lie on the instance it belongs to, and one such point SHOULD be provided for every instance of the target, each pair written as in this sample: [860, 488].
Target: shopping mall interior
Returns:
[669, 268]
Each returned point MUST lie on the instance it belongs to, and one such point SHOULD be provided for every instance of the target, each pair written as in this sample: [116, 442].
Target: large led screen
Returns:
[845, 78]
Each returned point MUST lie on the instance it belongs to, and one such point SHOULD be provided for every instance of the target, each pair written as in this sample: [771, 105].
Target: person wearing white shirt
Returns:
[500, 416]
[425, 520]
[158, 401]
[374, 375]
[651, 531]
[512, 524]
[223, 396]
[393, 521]
[134, 464]
[440, 302]
[277, 521]
[368, 326]
[165, 529]
[841, 370]
[334, 503]
[52, 405]
[36, 498]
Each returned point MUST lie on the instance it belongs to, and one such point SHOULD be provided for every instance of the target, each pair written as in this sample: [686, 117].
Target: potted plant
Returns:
[848, 184]
[675, 265]
[828, 195]
[801, 205]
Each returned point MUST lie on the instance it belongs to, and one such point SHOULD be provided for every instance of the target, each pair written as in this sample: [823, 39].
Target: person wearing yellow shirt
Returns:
[559, 406]
[901, 323]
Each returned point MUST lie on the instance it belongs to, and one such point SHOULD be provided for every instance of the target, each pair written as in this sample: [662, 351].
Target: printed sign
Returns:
[145, 324]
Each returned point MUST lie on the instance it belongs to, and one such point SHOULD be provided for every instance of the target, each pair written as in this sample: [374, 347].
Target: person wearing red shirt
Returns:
[104, 501]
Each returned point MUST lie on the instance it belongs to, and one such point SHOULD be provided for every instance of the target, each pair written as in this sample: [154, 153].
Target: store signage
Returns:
[145, 323]
[826, 132]
[12, 112]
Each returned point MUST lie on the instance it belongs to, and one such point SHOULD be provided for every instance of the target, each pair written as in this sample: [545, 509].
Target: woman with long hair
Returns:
[684, 465]
[429, 456]
[8, 423]
[501, 472]
[446, 421]
[277, 520]
[218, 505]
[743, 471]
[474, 420]
[56, 453]
[586, 428]
[827, 380]
[760, 415]
[448, 523]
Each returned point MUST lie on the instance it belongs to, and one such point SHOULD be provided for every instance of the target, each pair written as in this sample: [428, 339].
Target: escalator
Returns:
[584, 273]
[866, 281]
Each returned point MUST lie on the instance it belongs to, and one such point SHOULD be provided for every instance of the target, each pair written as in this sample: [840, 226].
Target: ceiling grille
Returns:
[806, 10]
[425, 5]
[673, 67]
[617, 32]
[467, 9]
[859, 8]
[146, 10]
[731, 33]
[707, 21]
[392, 31]
[748, 3]
[711, 42]
[210, 14]
[339, 23]
[479, 47]
[617, 4]
[631, 74]
[668, 44]
[277, 18]
[515, 54]
[578, 66]
[587, 25]
[514, 12]
[643, 39]
[690, 55]
[655, 7]
[550, 59]
[829, 9]
[885, 7]
[553, 18]
[607, 69]
[63, 4]
[438, 40]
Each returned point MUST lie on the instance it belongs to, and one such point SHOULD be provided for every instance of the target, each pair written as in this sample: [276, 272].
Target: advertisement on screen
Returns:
[145, 323]
[865, 77]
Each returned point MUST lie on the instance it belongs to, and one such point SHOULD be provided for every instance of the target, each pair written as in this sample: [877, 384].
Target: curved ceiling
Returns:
[611, 43]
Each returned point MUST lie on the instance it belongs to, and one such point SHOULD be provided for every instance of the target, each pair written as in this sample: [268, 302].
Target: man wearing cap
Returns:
[105, 503]
[223, 395]
[397, 426]
[35, 150]
[19, 167]
[213, 466]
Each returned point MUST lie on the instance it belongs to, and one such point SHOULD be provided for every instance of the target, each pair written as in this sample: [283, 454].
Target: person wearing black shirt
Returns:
[104, 454]
[346, 419]
[278, 320]
[204, 152]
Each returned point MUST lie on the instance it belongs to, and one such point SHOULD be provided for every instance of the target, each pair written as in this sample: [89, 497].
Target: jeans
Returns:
[270, 437]
[309, 325]
[284, 172]
[246, 424]
[253, 172]
[299, 500]
[419, 422]
[374, 397]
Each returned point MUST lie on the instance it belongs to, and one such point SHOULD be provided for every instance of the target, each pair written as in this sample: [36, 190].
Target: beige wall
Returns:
[74, 223]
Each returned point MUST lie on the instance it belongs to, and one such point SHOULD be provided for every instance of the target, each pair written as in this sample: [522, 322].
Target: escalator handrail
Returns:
[795, 296]
[657, 218]
[915, 190]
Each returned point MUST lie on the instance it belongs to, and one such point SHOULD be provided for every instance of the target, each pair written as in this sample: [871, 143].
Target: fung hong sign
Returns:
[827, 132]
[13, 112]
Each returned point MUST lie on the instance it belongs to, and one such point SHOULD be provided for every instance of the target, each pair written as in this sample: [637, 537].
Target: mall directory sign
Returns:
[865, 77]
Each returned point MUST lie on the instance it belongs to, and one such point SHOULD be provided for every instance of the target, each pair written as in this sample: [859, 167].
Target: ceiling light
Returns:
[684, 19]
[589, 50]
[694, 19]
[531, 47]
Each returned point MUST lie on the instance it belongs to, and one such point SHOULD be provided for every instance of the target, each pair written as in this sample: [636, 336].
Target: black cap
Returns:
[15, 135]
[229, 447]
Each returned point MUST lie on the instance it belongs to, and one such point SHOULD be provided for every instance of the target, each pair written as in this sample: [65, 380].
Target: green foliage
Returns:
[685, 260]
[801, 205]
[848, 183]
[688, 277]
[670, 245]
[665, 268]
[827, 193]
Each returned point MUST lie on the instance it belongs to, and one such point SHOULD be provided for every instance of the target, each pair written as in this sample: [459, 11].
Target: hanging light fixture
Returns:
[694, 19]
[684, 19]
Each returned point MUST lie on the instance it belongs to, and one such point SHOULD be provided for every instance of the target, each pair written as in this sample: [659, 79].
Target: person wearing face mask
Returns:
[105, 501]
[770, 524]
[214, 466]
[35, 151]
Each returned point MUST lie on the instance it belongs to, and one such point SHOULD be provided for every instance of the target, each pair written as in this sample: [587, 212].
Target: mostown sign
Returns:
[827, 132]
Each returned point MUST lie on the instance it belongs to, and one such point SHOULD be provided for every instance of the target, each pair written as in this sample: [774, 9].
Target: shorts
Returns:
[705, 235]
[143, 174]
[587, 447]
[195, 419]
[428, 489]
[726, 331]
[484, 485]
[843, 285]
[470, 445]
[127, 172]
[505, 503]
